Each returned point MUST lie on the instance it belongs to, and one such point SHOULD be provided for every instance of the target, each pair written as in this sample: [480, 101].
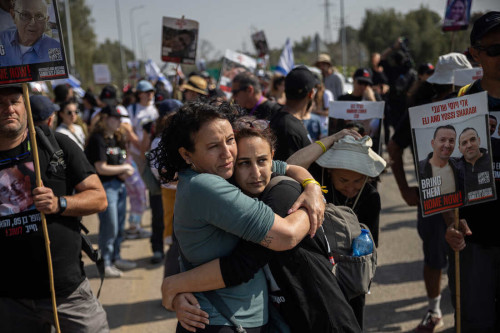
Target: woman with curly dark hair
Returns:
[106, 151]
[211, 215]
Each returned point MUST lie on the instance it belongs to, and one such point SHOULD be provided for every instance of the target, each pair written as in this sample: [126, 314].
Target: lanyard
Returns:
[257, 105]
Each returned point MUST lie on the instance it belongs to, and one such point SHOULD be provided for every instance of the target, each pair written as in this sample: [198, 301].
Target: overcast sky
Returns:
[228, 24]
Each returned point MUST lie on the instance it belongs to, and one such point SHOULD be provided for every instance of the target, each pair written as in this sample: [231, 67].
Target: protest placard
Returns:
[102, 75]
[453, 153]
[179, 39]
[18, 215]
[260, 43]
[34, 54]
[365, 116]
[457, 15]
[462, 77]
[233, 64]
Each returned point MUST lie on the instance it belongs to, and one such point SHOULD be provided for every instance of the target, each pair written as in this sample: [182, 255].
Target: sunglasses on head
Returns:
[491, 51]
[258, 124]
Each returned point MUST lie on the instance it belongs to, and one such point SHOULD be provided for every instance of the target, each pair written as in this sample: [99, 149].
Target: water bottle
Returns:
[362, 245]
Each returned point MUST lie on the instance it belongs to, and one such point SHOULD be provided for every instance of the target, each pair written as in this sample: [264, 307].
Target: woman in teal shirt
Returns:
[211, 215]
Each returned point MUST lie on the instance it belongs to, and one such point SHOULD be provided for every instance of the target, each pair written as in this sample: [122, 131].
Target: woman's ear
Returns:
[186, 155]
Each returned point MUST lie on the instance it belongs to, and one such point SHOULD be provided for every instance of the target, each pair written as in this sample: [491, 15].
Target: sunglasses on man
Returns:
[491, 51]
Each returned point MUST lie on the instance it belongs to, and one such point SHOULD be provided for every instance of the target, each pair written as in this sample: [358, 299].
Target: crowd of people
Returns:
[255, 254]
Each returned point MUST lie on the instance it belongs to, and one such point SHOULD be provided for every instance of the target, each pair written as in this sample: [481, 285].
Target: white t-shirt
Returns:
[78, 136]
[139, 116]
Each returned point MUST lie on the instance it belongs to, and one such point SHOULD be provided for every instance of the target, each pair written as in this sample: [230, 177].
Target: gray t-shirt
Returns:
[335, 83]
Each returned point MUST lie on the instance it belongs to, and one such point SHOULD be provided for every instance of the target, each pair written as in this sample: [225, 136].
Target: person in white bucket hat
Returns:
[446, 66]
[351, 168]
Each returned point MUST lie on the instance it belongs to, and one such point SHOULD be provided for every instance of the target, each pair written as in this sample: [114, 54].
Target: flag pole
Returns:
[38, 177]
[457, 279]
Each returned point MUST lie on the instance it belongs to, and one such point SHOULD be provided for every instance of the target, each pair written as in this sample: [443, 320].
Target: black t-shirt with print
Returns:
[107, 150]
[25, 272]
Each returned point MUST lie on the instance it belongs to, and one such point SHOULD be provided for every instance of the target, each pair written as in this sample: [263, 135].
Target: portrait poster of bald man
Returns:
[453, 153]
[31, 47]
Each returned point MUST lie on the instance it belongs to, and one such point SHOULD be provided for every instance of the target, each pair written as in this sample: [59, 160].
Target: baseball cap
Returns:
[112, 111]
[108, 94]
[426, 68]
[363, 75]
[160, 96]
[197, 84]
[168, 106]
[483, 25]
[446, 65]
[299, 82]
[323, 57]
[144, 85]
[12, 87]
[42, 107]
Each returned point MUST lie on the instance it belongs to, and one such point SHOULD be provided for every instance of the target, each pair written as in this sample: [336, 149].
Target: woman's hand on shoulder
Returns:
[188, 312]
[313, 200]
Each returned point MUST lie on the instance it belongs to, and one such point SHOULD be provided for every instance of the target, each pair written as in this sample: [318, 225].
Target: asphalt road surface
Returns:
[397, 301]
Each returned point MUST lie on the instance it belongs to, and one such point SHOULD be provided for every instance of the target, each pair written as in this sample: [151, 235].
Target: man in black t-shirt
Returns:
[287, 124]
[70, 190]
[247, 92]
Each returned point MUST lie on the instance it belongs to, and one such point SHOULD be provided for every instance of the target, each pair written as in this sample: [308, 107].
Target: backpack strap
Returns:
[93, 254]
[274, 181]
[47, 139]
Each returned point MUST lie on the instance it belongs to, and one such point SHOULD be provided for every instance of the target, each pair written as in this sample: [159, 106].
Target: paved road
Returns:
[396, 304]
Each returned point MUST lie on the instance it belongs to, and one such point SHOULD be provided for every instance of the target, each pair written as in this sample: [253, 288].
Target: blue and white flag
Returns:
[154, 73]
[285, 64]
[72, 82]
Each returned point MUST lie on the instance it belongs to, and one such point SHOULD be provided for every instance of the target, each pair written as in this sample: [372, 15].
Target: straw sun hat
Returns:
[356, 155]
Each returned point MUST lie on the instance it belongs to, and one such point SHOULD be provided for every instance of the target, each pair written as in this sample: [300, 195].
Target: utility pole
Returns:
[344, 42]
[327, 27]
[71, 52]
[122, 57]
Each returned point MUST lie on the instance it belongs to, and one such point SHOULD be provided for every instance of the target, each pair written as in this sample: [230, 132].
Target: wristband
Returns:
[312, 181]
[321, 145]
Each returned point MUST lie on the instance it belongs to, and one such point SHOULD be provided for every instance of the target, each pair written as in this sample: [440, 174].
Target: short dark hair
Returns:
[492, 117]
[247, 79]
[450, 127]
[179, 132]
[467, 129]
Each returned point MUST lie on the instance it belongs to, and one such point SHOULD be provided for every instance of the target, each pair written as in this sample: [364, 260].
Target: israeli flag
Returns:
[71, 81]
[285, 64]
[154, 73]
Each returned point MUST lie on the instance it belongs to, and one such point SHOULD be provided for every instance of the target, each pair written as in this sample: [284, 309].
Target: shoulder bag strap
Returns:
[215, 299]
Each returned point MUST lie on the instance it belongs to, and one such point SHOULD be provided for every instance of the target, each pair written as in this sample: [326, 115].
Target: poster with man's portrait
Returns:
[453, 153]
[31, 43]
[457, 15]
[365, 117]
[18, 215]
[179, 40]
[260, 43]
[233, 64]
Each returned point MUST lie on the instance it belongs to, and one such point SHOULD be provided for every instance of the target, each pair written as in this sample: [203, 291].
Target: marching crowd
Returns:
[264, 169]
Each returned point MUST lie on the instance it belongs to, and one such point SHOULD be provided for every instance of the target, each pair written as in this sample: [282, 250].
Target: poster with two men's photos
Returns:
[453, 153]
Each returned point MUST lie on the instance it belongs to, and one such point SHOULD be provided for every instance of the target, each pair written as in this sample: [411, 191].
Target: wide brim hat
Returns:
[323, 57]
[197, 84]
[445, 67]
[356, 155]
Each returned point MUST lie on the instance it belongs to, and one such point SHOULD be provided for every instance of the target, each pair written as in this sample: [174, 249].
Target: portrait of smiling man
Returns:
[28, 43]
